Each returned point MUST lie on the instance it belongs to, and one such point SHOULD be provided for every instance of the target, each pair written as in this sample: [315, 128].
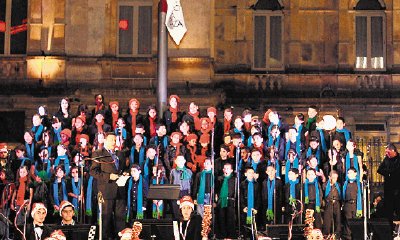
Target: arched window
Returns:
[370, 23]
[268, 35]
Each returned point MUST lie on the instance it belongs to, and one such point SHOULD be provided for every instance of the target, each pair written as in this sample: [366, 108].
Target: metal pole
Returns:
[162, 68]
[238, 187]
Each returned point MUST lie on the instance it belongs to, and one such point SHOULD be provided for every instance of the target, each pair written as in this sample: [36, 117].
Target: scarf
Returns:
[298, 149]
[21, 190]
[78, 135]
[299, 132]
[202, 188]
[328, 189]
[89, 196]
[48, 167]
[174, 114]
[250, 200]
[355, 162]
[204, 151]
[227, 126]
[307, 199]
[184, 174]
[120, 130]
[345, 132]
[76, 190]
[57, 135]
[165, 141]
[254, 165]
[115, 117]
[212, 122]
[359, 203]
[66, 163]
[139, 204]
[287, 168]
[133, 120]
[249, 142]
[270, 189]
[23, 160]
[177, 146]
[100, 126]
[310, 121]
[271, 125]
[141, 156]
[317, 155]
[85, 151]
[152, 126]
[37, 130]
[277, 167]
[158, 208]
[223, 195]
[292, 191]
[275, 142]
[192, 150]
[146, 168]
[55, 192]
[30, 150]
[196, 119]
[322, 140]
[235, 130]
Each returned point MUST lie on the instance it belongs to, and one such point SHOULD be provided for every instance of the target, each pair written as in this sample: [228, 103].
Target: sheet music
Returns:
[122, 180]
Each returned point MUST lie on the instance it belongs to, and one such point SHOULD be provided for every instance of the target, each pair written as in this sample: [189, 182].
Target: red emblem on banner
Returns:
[123, 24]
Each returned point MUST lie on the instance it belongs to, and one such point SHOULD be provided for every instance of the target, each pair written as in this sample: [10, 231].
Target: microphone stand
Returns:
[82, 202]
[212, 184]
[238, 186]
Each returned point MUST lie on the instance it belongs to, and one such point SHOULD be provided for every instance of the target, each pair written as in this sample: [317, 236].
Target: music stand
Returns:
[164, 192]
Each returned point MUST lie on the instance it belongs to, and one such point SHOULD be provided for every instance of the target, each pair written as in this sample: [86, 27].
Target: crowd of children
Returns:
[264, 166]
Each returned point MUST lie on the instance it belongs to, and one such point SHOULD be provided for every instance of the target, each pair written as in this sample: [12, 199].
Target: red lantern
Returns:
[123, 24]
[2, 26]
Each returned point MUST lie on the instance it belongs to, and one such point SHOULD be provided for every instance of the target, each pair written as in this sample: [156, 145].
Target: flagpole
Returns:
[162, 68]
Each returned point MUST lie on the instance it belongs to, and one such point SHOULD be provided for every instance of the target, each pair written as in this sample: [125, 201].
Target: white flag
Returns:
[174, 20]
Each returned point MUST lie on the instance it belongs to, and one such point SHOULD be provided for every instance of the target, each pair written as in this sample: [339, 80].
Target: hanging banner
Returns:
[174, 20]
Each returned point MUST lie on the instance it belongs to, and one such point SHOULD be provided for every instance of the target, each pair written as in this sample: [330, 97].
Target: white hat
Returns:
[186, 201]
[65, 204]
[36, 207]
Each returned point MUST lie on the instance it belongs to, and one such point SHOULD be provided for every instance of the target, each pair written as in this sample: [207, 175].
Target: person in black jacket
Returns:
[226, 197]
[106, 171]
[390, 170]
[272, 197]
[37, 230]
[190, 224]
[249, 197]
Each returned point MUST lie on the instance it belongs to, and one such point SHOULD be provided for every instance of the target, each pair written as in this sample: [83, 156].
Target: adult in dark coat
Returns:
[390, 170]
[106, 171]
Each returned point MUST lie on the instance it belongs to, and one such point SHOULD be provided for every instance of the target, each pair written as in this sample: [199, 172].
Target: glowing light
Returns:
[2, 26]
[123, 24]
[44, 67]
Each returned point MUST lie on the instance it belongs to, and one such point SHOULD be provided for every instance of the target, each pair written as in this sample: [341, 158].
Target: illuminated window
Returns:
[268, 43]
[134, 28]
[370, 23]
[13, 26]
